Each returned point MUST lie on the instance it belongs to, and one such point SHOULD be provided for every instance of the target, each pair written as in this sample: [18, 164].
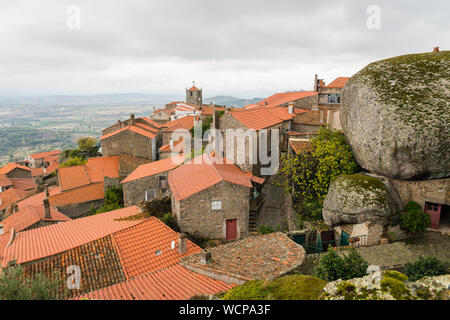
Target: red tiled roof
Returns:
[147, 247]
[5, 181]
[256, 118]
[101, 167]
[23, 183]
[186, 122]
[151, 122]
[149, 169]
[279, 99]
[256, 257]
[54, 158]
[73, 177]
[173, 283]
[11, 166]
[192, 178]
[131, 128]
[90, 192]
[37, 172]
[44, 154]
[10, 196]
[300, 145]
[46, 241]
[337, 83]
[95, 170]
[36, 199]
[146, 127]
[28, 216]
[166, 147]
[194, 88]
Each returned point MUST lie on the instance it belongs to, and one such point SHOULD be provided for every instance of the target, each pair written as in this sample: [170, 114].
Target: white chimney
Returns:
[171, 144]
[291, 107]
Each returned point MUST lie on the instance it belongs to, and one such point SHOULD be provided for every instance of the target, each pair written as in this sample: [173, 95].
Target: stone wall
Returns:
[134, 191]
[194, 214]
[128, 164]
[128, 142]
[80, 209]
[19, 173]
[421, 191]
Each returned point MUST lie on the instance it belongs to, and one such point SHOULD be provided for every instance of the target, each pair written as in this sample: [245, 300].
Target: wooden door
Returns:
[434, 210]
[231, 229]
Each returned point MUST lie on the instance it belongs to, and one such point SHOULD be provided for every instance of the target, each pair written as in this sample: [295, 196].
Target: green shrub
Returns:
[265, 229]
[394, 283]
[73, 161]
[425, 267]
[158, 207]
[333, 266]
[14, 285]
[170, 220]
[113, 200]
[290, 287]
[414, 219]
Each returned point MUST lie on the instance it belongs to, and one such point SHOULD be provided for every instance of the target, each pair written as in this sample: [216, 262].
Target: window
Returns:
[216, 205]
[162, 182]
[334, 98]
[158, 252]
[150, 194]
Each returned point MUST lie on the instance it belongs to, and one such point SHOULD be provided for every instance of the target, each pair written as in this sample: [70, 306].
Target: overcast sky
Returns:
[242, 48]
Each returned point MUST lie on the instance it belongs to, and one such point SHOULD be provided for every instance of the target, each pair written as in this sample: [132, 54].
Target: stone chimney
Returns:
[47, 214]
[182, 243]
[316, 83]
[133, 119]
[46, 190]
[15, 208]
[119, 124]
[436, 49]
[291, 107]
[205, 257]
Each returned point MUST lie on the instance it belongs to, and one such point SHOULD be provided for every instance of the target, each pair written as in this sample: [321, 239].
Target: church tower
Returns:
[194, 95]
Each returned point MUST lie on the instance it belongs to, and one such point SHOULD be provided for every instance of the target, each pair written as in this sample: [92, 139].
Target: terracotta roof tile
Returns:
[147, 247]
[149, 169]
[146, 127]
[23, 183]
[151, 122]
[173, 283]
[194, 88]
[166, 147]
[132, 128]
[10, 196]
[194, 177]
[279, 99]
[44, 154]
[46, 241]
[98, 261]
[54, 158]
[186, 122]
[251, 258]
[101, 167]
[5, 181]
[337, 83]
[90, 192]
[11, 166]
[299, 146]
[73, 177]
[256, 118]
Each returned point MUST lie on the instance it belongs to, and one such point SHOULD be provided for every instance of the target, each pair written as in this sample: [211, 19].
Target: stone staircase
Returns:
[255, 206]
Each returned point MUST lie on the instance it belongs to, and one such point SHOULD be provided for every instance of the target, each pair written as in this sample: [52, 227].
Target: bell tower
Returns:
[194, 95]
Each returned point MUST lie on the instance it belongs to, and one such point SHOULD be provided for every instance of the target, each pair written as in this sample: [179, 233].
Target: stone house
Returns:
[142, 120]
[172, 147]
[14, 170]
[253, 119]
[184, 123]
[82, 188]
[300, 99]
[136, 139]
[16, 176]
[149, 181]
[161, 115]
[212, 199]
[37, 160]
[262, 257]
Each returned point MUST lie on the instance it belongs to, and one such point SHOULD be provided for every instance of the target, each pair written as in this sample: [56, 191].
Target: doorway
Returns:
[444, 221]
[231, 229]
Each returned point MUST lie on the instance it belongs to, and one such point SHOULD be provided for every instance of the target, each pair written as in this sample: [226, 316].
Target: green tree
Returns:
[88, 145]
[333, 266]
[414, 219]
[113, 200]
[307, 175]
[425, 267]
[14, 285]
[73, 162]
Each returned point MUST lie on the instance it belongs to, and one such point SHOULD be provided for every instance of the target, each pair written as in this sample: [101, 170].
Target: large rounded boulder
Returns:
[359, 198]
[396, 116]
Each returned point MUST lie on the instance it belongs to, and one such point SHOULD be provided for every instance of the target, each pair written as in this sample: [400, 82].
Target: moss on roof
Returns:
[291, 287]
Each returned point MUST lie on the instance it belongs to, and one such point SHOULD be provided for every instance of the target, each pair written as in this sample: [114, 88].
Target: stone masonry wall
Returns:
[128, 142]
[194, 214]
[80, 209]
[19, 173]
[134, 191]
